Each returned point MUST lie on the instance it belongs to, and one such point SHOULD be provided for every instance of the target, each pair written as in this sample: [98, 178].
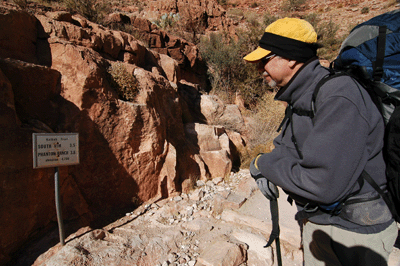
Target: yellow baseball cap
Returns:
[292, 38]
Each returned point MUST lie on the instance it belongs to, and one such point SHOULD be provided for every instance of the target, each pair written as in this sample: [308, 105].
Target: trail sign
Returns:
[55, 149]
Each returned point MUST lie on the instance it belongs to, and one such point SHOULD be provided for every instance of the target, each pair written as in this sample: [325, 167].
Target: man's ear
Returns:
[292, 63]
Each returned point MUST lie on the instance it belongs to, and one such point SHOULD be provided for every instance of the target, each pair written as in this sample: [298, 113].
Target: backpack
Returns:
[371, 55]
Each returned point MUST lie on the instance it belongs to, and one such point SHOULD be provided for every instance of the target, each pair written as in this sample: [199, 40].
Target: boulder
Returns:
[18, 35]
[216, 112]
[221, 253]
[214, 148]
[34, 99]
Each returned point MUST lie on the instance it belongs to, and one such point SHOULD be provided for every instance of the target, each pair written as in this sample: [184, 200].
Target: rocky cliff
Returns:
[55, 77]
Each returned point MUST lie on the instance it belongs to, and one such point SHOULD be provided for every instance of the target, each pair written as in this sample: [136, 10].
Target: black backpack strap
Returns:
[332, 74]
[290, 110]
[312, 209]
[288, 117]
[384, 195]
[380, 53]
[300, 112]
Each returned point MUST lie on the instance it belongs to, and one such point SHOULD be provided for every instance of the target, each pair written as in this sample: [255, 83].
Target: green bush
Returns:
[123, 82]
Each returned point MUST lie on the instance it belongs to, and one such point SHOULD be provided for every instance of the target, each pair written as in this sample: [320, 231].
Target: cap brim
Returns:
[256, 55]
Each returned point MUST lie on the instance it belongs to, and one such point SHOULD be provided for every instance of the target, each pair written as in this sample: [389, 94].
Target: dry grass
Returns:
[263, 127]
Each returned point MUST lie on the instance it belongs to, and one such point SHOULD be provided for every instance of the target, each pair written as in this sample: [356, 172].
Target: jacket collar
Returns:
[299, 83]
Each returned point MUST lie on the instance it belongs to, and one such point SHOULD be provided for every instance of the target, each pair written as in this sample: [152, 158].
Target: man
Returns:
[319, 158]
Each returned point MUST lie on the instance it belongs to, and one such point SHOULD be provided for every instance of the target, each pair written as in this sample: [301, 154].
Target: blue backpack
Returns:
[371, 55]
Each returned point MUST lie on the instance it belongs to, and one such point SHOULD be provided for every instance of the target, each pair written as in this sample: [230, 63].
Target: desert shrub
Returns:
[293, 5]
[268, 19]
[235, 12]
[21, 3]
[365, 10]
[228, 72]
[313, 19]
[93, 10]
[263, 125]
[327, 32]
[327, 36]
[392, 3]
[253, 20]
[221, 54]
[254, 5]
[123, 82]
[223, 2]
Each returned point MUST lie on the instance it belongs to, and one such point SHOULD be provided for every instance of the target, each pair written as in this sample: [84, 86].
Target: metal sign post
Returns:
[54, 150]
[59, 207]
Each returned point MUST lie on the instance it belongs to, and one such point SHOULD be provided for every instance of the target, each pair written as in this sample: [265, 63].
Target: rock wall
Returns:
[207, 14]
[53, 78]
[191, 67]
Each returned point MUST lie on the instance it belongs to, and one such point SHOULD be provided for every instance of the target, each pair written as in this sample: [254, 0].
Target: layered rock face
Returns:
[204, 13]
[54, 78]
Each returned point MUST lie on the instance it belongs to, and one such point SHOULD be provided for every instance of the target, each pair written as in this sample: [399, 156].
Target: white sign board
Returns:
[55, 149]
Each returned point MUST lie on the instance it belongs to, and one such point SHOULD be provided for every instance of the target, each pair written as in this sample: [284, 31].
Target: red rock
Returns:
[130, 152]
[18, 35]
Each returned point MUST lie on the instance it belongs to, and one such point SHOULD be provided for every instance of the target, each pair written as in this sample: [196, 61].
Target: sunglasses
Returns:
[265, 60]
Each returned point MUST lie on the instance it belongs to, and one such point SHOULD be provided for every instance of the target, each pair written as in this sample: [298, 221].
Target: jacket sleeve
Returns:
[334, 154]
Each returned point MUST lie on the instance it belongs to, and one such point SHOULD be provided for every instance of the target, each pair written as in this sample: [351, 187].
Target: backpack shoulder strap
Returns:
[332, 74]
[380, 53]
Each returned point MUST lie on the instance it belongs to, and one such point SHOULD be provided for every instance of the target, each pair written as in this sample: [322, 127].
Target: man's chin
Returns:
[272, 84]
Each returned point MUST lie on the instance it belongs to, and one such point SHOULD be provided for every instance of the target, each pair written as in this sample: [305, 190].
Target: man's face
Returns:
[261, 69]
[276, 70]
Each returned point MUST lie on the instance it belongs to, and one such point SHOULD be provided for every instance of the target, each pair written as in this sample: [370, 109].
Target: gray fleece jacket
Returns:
[344, 138]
